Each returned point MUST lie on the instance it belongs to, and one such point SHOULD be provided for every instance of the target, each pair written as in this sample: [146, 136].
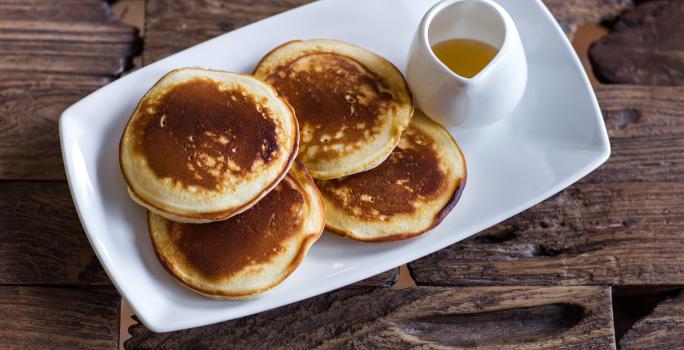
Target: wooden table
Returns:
[598, 266]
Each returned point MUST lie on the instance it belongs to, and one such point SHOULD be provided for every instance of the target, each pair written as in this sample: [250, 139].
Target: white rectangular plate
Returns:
[555, 137]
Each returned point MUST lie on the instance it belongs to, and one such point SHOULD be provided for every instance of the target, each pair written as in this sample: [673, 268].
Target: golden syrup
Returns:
[465, 57]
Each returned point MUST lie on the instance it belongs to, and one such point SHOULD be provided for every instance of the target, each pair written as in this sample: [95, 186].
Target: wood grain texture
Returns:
[41, 239]
[645, 47]
[571, 14]
[92, 11]
[421, 317]
[634, 303]
[169, 28]
[59, 318]
[30, 106]
[622, 225]
[53, 53]
[662, 329]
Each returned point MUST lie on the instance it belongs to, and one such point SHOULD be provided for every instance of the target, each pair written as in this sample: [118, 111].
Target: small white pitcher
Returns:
[451, 99]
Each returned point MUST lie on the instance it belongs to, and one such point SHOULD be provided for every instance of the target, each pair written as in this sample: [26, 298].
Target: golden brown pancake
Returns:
[205, 145]
[405, 196]
[352, 105]
[249, 253]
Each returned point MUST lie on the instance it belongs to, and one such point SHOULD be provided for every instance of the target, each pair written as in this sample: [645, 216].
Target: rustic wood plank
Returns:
[645, 47]
[662, 329]
[85, 65]
[574, 13]
[421, 317]
[59, 318]
[94, 11]
[30, 104]
[41, 239]
[622, 225]
[169, 28]
[54, 53]
[75, 49]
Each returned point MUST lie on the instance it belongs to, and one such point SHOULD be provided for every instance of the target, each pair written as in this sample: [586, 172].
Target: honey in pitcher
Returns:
[465, 57]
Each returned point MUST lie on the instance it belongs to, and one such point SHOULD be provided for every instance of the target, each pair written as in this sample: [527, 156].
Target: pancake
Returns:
[405, 196]
[249, 253]
[205, 145]
[352, 105]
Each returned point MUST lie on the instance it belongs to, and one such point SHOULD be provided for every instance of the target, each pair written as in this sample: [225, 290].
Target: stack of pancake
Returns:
[385, 173]
[211, 155]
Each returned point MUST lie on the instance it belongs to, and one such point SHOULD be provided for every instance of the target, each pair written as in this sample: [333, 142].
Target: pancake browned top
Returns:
[205, 145]
[406, 195]
[250, 252]
[351, 105]
[198, 134]
[411, 173]
[221, 249]
[339, 103]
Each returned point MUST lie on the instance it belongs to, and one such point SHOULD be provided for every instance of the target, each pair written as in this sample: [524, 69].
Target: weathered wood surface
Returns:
[59, 318]
[621, 225]
[95, 11]
[421, 317]
[171, 26]
[634, 303]
[41, 239]
[29, 112]
[645, 47]
[574, 13]
[662, 329]
[53, 53]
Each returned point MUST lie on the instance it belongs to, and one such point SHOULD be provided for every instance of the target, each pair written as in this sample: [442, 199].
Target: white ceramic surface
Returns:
[451, 99]
[554, 137]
